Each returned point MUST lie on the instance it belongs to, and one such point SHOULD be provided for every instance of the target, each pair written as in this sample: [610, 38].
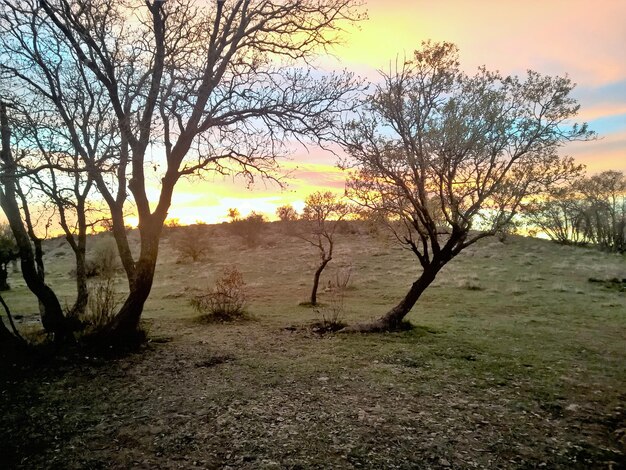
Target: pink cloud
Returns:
[552, 37]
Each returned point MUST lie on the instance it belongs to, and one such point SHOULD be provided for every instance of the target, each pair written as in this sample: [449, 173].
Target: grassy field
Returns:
[516, 360]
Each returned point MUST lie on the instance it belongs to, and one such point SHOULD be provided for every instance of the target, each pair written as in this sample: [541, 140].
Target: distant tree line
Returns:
[589, 210]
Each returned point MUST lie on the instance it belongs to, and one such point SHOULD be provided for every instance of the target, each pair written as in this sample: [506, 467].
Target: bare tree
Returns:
[221, 87]
[56, 163]
[320, 217]
[449, 157]
[52, 316]
[63, 182]
[288, 217]
[590, 209]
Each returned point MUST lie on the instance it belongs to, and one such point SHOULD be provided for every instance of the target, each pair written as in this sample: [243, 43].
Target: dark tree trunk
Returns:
[11, 342]
[52, 317]
[124, 328]
[6, 337]
[41, 271]
[316, 280]
[78, 244]
[125, 325]
[4, 274]
[16, 333]
[82, 293]
[394, 317]
[392, 320]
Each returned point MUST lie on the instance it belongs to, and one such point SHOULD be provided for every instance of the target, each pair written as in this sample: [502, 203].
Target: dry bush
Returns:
[343, 276]
[249, 228]
[472, 283]
[347, 227]
[287, 213]
[333, 313]
[226, 301]
[189, 243]
[105, 260]
[102, 304]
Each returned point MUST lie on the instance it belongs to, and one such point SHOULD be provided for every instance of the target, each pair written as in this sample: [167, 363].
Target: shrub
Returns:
[226, 301]
[286, 213]
[333, 313]
[8, 254]
[288, 219]
[189, 243]
[172, 223]
[105, 260]
[343, 276]
[249, 228]
[102, 304]
[470, 284]
[346, 227]
[233, 214]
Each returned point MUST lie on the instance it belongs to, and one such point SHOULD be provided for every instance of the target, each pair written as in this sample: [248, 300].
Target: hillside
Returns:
[516, 360]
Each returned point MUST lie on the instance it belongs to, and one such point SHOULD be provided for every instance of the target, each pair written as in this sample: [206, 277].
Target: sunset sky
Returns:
[586, 40]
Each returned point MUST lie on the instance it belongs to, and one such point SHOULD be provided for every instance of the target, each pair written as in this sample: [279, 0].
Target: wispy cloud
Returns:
[559, 37]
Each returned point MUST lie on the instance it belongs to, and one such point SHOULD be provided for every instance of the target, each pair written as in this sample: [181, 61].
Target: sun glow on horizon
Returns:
[585, 44]
[510, 37]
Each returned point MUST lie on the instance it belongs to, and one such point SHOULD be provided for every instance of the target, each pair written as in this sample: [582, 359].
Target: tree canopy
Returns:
[223, 87]
[440, 152]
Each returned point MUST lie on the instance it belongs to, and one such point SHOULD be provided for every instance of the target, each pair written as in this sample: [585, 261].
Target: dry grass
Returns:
[518, 375]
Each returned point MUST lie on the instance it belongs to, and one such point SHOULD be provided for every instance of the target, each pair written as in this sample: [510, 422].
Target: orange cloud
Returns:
[553, 37]
[601, 110]
[606, 153]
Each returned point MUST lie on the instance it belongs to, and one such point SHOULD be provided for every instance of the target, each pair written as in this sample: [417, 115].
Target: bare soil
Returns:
[525, 372]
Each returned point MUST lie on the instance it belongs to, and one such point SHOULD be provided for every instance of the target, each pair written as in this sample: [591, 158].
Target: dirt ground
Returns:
[491, 376]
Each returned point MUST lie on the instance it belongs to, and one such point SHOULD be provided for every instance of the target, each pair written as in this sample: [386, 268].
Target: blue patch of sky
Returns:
[608, 124]
[610, 92]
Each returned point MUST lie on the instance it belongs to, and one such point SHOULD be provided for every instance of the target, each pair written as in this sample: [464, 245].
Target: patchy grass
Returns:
[526, 373]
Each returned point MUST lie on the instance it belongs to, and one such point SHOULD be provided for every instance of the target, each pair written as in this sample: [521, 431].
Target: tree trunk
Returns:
[52, 317]
[41, 271]
[124, 329]
[392, 320]
[11, 342]
[6, 337]
[125, 325]
[4, 274]
[82, 293]
[316, 280]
